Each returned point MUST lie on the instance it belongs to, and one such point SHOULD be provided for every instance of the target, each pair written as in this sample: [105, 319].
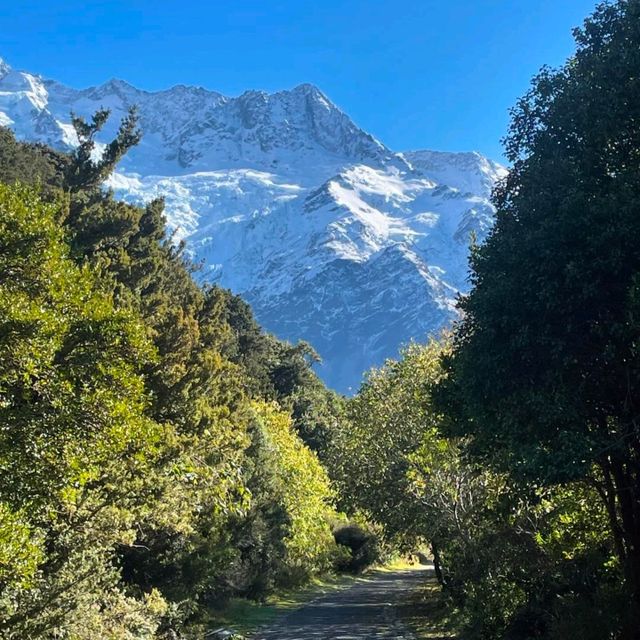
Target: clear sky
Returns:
[438, 74]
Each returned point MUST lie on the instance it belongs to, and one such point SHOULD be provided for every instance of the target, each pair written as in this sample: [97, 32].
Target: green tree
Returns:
[77, 449]
[143, 532]
[545, 373]
[284, 536]
[519, 561]
[301, 485]
[371, 453]
[29, 163]
[85, 171]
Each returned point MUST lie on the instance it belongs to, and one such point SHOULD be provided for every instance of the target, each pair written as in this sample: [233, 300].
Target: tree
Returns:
[77, 448]
[518, 561]
[137, 483]
[85, 171]
[285, 535]
[29, 163]
[545, 371]
[387, 422]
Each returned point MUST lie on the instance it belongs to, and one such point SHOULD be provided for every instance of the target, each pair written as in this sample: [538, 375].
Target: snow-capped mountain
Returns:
[332, 237]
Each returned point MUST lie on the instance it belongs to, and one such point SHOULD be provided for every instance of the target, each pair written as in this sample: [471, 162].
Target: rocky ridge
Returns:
[330, 235]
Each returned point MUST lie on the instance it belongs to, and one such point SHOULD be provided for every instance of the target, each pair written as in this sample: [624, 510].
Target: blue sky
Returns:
[437, 74]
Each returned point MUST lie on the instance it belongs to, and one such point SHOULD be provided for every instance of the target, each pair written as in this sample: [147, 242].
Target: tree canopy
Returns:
[545, 371]
[139, 450]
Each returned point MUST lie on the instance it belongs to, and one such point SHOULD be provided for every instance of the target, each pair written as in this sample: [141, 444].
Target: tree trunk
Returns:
[627, 488]
[437, 567]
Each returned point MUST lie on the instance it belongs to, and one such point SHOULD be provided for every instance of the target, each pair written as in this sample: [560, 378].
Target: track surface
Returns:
[364, 611]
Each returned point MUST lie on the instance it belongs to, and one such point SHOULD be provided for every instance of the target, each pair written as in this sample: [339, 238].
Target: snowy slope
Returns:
[331, 236]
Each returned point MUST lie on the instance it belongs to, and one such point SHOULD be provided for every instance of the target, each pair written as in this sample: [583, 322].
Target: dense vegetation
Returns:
[160, 453]
[513, 447]
[151, 460]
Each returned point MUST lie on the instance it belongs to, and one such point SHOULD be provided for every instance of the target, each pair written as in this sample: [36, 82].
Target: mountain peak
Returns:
[117, 85]
[118, 82]
[314, 95]
[307, 88]
[330, 235]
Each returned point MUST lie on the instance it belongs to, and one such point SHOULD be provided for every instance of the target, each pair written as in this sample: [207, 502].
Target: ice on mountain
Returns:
[331, 236]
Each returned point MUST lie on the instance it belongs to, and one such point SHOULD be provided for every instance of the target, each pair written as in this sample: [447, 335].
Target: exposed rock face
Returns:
[331, 236]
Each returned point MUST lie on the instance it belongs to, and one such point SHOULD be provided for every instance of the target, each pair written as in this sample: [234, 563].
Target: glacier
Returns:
[331, 236]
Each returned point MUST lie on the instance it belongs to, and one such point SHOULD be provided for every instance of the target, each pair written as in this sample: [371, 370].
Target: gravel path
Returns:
[364, 611]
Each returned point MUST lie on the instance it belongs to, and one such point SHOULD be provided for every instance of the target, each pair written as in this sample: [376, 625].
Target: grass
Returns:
[245, 616]
[429, 615]
[426, 613]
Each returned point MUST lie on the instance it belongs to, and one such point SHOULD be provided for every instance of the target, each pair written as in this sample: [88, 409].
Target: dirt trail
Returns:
[364, 611]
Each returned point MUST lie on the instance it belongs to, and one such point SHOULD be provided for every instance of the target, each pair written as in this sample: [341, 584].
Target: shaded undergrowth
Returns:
[429, 615]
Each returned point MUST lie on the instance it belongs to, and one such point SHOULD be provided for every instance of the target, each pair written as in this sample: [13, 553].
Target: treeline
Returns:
[153, 456]
[512, 447]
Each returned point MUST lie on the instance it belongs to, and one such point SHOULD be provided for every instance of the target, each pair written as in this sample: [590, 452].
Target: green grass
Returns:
[429, 615]
[245, 616]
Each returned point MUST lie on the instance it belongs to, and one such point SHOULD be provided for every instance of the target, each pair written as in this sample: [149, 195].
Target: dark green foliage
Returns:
[317, 412]
[135, 485]
[259, 536]
[276, 369]
[545, 373]
[279, 371]
[85, 172]
[553, 369]
[362, 545]
[29, 163]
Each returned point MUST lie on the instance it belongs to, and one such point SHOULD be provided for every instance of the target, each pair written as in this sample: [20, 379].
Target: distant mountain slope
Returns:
[331, 236]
